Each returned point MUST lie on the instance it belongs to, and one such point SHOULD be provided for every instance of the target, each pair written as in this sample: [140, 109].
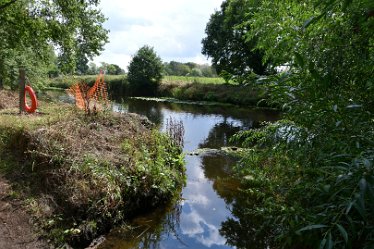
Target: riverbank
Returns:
[16, 230]
[80, 175]
[183, 88]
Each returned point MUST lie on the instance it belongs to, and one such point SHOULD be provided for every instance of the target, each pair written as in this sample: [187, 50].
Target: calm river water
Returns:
[203, 217]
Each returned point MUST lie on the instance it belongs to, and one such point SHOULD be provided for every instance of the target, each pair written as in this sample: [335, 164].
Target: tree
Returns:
[114, 69]
[178, 68]
[227, 44]
[317, 192]
[81, 62]
[92, 69]
[145, 71]
[72, 27]
[196, 72]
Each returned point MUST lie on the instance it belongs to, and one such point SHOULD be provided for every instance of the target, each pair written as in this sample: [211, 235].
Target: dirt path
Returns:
[16, 232]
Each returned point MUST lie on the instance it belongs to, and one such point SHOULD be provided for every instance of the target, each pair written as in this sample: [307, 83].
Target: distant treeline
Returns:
[189, 69]
[172, 68]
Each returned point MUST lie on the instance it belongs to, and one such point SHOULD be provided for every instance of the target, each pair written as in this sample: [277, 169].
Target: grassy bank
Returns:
[188, 80]
[184, 88]
[224, 93]
[81, 175]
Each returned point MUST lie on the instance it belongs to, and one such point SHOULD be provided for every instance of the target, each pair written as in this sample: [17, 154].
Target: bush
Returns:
[316, 170]
[145, 70]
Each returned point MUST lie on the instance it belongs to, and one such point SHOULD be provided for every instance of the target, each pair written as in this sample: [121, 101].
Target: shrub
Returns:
[145, 70]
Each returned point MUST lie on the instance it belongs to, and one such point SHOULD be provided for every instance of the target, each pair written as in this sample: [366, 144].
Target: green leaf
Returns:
[346, 4]
[308, 22]
[322, 244]
[310, 227]
[299, 60]
[367, 163]
[363, 185]
[312, 20]
[343, 232]
[330, 242]
[360, 209]
[349, 207]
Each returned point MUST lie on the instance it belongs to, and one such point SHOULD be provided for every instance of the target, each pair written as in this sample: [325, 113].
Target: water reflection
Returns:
[209, 214]
[220, 134]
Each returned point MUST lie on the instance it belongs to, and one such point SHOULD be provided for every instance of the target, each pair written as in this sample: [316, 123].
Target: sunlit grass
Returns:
[198, 80]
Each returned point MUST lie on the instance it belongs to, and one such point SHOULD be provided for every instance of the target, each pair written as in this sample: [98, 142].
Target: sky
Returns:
[174, 28]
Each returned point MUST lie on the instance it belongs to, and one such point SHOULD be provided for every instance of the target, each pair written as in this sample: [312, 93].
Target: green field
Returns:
[186, 79]
[66, 81]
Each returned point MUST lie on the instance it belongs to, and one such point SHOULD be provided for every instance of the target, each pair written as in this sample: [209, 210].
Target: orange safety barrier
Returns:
[84, 94]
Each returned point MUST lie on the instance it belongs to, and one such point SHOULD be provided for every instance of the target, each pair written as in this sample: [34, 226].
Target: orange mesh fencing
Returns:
[83, 94]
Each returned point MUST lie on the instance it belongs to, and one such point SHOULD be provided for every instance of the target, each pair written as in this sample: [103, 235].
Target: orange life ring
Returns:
[34, 101]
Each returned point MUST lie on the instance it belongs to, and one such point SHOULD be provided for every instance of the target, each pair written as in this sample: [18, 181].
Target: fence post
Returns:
[22, 84]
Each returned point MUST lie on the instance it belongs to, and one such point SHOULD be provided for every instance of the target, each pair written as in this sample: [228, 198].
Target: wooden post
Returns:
[1, 82]
[22, 84]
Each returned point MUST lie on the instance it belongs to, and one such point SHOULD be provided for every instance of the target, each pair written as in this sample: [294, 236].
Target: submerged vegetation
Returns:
[83, 174]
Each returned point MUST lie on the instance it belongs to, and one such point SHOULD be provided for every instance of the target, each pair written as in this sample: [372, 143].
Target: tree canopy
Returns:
[189, 69]
[31, 28]
[228, 45]
[145, 71]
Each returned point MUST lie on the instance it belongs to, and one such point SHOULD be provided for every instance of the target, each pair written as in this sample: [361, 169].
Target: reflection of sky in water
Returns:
[197, 127]
[203, 210]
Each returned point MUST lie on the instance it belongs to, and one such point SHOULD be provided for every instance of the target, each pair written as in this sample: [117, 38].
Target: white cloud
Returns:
[195, 226]
[174, 28]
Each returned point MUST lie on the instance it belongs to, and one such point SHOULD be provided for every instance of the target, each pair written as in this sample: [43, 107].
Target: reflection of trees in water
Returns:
[219, 135]
[218, 169]
[162, 223]
[241, 231]
[146, 231]
[249, 118]
[245, 114]
[245, 230]
[150, 109]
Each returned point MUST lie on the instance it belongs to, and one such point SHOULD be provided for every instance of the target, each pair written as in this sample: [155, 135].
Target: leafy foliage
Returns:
[228, 45]
[145, 71]
[29, 28]
[318, 165]
[188, 69]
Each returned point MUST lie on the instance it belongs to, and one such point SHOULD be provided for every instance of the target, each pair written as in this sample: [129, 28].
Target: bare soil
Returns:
[16, 230]
[8, 99]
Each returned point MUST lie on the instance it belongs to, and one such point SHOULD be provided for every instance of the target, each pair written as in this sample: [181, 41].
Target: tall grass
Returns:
[68, 80]
[186, 79]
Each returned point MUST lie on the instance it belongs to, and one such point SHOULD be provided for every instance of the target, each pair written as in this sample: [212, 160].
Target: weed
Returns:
[90, 172]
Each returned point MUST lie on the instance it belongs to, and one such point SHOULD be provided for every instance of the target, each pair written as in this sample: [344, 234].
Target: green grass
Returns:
[198, 80]
[90, 172]
[68, 80]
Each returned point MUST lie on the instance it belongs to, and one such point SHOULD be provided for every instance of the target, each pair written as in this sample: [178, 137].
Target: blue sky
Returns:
[174, 28]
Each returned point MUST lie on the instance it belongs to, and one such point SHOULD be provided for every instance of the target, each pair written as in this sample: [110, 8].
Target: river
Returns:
[203, 217]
